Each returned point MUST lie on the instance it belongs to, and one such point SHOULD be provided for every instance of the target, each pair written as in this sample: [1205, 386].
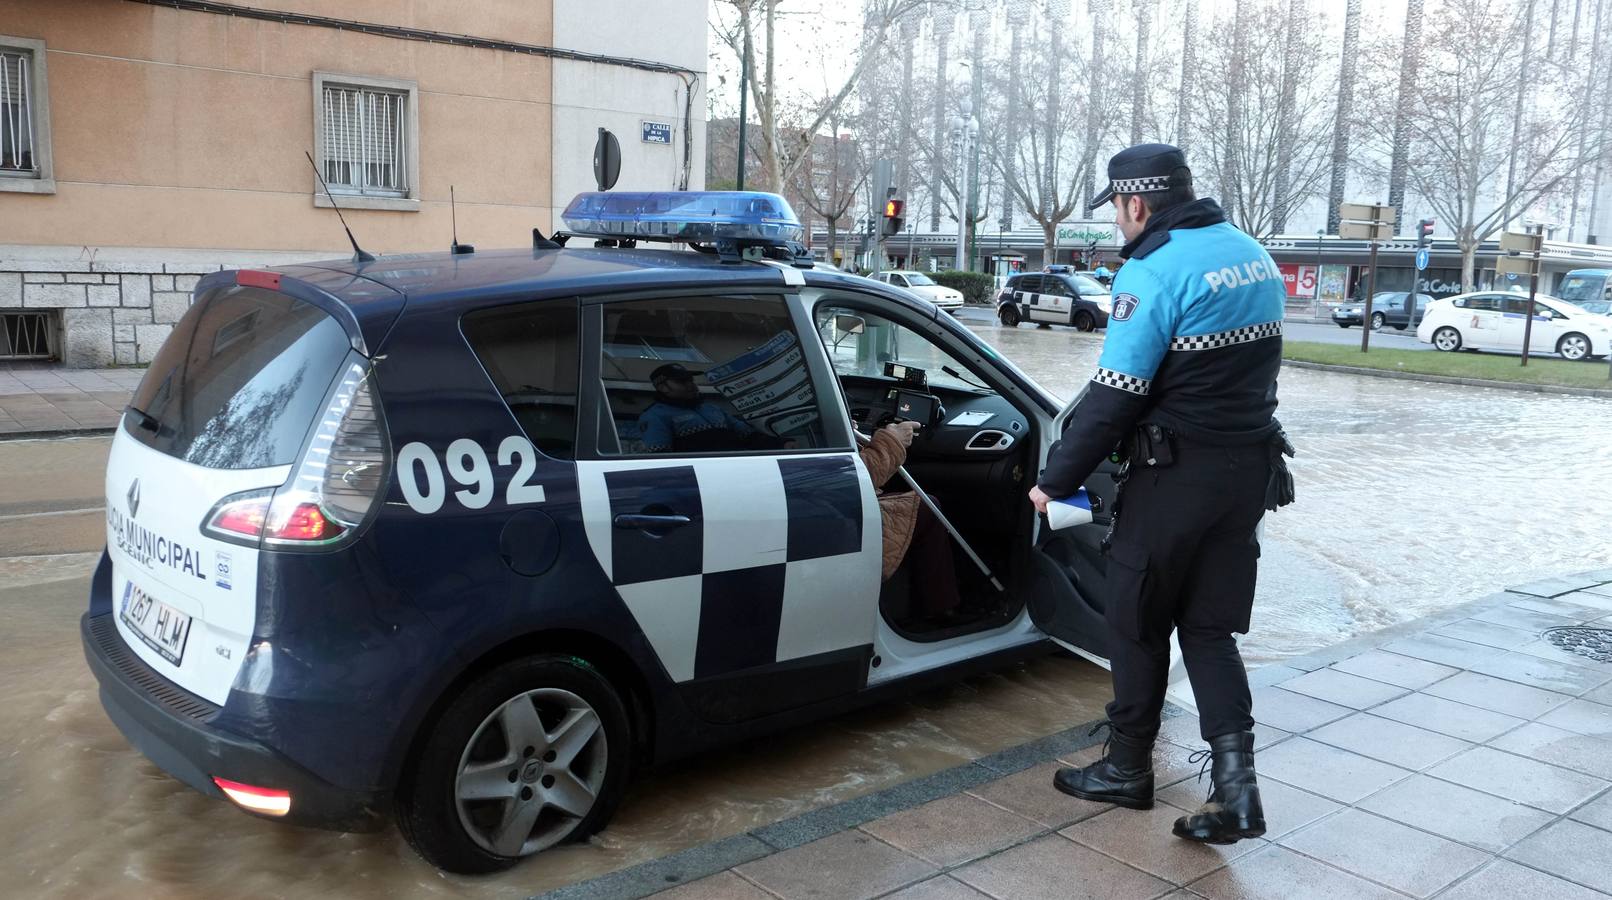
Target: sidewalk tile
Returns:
[1391, 668]
[1448, 717]
[1546, 743]
[721, 886]
[1502, 880]
[941, 887]
[1279, 872]
[846, 865]
[1542, 673]
[1326, 770]
[1439, 649]
[1458, 813]
[1030, 794]
[1544, 649]
[1597, 812]
[1294, 712]
[1562, 606]
[1344, 689]
[1514, 616]
[1552, 587]
[1143, 839]
[1487, 633]
[1498, 695]
[1599, 598]
[1389, 741]
[1387, 852]
[1182, 731]
[1527, 781]
[1582, 717]
[952, 829]
[1056, 868]
[1572, 850]
[1287, 808]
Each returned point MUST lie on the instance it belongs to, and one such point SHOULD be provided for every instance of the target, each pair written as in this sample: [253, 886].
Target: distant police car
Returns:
[466, 539]
[1057, 296]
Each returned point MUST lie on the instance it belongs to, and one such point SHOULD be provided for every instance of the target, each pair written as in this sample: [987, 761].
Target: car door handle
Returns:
[648, 522]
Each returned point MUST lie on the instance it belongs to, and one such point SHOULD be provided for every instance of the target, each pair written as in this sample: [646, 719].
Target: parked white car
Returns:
[1495, 320]
[944, 297]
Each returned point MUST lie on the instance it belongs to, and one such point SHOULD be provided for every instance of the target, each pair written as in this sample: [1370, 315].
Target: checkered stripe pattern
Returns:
[1140, 185]
[1227, 338]
[776, 562]
[1122, 381]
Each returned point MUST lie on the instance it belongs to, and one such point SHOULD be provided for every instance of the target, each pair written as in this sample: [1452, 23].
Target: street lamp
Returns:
[965, 131]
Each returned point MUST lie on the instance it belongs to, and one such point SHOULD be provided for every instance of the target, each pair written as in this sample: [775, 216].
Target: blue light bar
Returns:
[687, 216]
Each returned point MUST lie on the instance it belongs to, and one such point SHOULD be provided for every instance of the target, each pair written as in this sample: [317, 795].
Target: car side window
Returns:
[1031, 284]
[706, 375]
[1054, 286]
[530, 352]
[899, 281]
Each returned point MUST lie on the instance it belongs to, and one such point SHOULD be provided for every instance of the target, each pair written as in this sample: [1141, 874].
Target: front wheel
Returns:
[1344, 325]
[1084, 321]
[1008, 314]
[1447, 339]
[1573, 346]
[530, 754]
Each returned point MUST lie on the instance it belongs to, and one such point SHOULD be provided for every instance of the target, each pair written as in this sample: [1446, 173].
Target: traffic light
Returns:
[894, 216]
[1424, 232]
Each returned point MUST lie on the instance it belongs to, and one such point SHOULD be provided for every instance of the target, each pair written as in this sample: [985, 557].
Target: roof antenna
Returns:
[358, 252]
[456, 248]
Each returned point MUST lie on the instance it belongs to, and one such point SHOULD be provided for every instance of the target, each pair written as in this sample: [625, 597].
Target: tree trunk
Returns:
[1410, 54]
[942, 39]
[909, 40]
[1231, 182]
[1013, 117]
[1284, 117]
[1585, 110]
[1183, 110]
[774, 174]
[1049, 238]
[1340, 134]
[1469, 249]
[1094, 108]
[1516, 115]
[1140, 83]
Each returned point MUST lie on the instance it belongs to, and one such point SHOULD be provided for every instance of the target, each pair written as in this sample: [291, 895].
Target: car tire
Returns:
[533, 699]
[1573, 346]
[1399, 328]
[1378, 320]
[1008, 314]
[1447, 339]
[1084, 321]
[1343, 325]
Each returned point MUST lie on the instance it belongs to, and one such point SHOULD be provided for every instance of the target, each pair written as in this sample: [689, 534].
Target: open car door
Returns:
[1068, 590]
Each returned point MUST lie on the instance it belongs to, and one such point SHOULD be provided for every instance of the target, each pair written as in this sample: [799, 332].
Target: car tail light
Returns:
[341, 474]
[268, 801]
[240, 516]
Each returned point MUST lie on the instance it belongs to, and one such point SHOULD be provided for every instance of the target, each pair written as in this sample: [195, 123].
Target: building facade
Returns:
[145, 144]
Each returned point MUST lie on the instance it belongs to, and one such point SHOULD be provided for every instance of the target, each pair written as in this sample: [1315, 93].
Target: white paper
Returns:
[1063, 514]
[972, 417]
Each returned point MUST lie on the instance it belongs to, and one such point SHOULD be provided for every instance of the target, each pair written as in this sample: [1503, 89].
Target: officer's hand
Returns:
[903, 432]
[1040, 499]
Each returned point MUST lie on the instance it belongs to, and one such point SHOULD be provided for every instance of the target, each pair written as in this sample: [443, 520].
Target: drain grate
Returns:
[1590, 643]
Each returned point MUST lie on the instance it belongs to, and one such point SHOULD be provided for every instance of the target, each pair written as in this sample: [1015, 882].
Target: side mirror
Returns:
[846, 324]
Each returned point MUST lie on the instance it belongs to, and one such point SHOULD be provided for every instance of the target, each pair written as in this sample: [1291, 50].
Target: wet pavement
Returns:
[1410, 495]
[1416, 763]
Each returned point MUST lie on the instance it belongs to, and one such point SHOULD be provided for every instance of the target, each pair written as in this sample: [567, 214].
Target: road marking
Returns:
[56, 512]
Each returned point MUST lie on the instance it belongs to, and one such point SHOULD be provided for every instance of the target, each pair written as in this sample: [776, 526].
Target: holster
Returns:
[1279, 490]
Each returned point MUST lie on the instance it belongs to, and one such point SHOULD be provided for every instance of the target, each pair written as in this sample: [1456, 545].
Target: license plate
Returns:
[162, 628]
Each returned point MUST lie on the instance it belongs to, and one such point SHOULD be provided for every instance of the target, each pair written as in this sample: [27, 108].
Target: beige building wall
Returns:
[177, 129]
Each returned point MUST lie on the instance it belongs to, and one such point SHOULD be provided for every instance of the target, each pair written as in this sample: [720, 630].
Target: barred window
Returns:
[366, 140]
[17, 140]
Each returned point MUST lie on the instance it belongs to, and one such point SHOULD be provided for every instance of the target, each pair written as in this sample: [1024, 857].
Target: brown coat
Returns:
[898, 513]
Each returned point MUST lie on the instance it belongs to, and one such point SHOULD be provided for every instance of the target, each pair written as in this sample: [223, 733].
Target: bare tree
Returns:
[832, 178]
[1410, 53]
[1275, 158]
[782, 148]
[1189, 48]
[1460, 125]
[1345, 118]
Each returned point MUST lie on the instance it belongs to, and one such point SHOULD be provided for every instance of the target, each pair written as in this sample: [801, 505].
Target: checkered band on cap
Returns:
[1122, 381]
[1227, 338]
[1140, 185]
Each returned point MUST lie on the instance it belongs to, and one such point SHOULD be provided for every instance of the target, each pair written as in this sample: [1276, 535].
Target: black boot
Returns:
[1233, 810]
[1123, 776]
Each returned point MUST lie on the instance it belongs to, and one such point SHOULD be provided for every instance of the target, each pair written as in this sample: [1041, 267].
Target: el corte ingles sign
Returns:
[1086, 232]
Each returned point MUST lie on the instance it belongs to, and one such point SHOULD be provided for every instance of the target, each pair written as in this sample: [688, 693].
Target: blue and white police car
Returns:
[465, 540]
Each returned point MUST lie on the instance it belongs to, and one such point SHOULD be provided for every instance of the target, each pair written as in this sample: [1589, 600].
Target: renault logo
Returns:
[134, 499]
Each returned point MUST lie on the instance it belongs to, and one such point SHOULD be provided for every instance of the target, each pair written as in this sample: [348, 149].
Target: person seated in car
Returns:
[681, 420]
[910, 529]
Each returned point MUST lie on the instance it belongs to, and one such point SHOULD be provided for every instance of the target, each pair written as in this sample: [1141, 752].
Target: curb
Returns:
[55, 433]
[1605, 393]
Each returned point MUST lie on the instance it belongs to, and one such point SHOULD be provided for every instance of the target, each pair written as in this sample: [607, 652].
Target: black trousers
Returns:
[1184, 556]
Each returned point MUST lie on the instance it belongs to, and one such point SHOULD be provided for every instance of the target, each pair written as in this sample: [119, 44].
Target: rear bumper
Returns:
[171, 728]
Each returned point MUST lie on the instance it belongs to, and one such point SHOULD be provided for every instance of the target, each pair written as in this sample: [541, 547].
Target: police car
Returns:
[1056, 296]
[466, 540]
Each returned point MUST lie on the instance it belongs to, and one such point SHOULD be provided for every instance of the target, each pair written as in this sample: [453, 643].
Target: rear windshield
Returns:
[239, 380]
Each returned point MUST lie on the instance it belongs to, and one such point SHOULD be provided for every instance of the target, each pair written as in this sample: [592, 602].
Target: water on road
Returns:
[1411, 497]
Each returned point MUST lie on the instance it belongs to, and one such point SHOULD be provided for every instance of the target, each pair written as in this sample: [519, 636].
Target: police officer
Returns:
[1186, 385]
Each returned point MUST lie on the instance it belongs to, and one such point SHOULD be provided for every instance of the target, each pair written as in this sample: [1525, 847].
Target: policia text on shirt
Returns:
[1186, 387]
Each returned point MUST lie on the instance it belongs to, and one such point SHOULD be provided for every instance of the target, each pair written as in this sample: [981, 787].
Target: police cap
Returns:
[1143, 169]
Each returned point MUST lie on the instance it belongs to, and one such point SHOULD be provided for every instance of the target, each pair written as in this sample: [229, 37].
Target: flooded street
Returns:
[1412, 497]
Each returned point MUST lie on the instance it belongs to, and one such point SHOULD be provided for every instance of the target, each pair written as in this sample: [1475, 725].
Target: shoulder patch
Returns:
[1124, 306]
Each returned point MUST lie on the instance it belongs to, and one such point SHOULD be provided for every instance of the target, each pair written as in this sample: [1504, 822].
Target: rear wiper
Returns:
[143, 419]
